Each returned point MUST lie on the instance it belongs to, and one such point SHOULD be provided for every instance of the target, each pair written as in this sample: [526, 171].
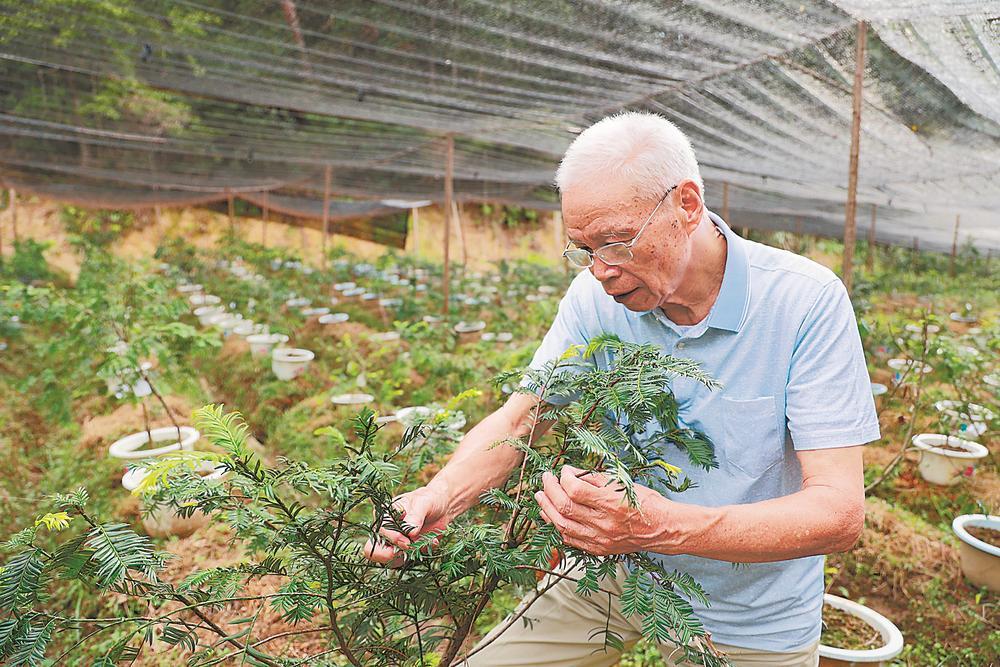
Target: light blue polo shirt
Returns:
[783, 340]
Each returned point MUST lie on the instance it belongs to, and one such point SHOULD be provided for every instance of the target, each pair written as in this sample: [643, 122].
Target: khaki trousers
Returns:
[562, 623]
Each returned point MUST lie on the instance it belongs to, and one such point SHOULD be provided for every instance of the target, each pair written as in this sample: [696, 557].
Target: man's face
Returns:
[659, 258]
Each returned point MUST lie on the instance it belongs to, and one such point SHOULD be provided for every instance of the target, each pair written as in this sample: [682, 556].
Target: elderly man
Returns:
[776, 329]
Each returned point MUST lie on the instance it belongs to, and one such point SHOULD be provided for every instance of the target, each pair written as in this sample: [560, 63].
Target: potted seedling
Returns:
[854, 635]
[261, 344]
[334, 318]
[964, 316]
[287, 363]
[161, 520]
[979, 548]
[945, 459]
[468, 332]
[205, 314]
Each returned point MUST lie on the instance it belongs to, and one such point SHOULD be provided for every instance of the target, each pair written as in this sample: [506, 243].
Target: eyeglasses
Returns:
[611, 254]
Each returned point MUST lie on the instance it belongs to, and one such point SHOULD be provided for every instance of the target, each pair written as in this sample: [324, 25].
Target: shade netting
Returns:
[131, 104]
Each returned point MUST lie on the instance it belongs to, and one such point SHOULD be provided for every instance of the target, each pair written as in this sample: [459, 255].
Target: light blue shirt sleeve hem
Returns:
[847, 438]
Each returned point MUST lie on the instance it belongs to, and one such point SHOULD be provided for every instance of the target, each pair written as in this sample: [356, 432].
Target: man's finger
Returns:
[557, 495]
[589, 492]
[564, 525]
[384, 554]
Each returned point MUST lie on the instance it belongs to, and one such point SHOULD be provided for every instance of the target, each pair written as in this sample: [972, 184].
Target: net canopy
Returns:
[131, 104]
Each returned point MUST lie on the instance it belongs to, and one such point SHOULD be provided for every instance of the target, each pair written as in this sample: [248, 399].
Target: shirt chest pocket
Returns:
[752, 442]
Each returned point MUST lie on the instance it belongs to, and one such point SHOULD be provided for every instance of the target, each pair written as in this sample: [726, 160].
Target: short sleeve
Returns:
[828, 397]
[569, 328]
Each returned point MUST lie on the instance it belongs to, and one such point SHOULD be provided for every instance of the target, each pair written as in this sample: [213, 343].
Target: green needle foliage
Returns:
[305, 527]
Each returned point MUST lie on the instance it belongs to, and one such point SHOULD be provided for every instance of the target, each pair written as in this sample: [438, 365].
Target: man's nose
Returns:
[604, 272]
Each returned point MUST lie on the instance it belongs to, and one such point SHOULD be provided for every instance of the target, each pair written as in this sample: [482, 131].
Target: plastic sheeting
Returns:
[129, 104]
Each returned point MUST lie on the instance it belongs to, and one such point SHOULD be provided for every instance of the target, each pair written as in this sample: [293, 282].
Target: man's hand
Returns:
[591, 515]
[425, 510]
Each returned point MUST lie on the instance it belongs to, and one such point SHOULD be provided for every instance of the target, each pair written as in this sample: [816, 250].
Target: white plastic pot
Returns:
[352, 399]
[313, 312]
[206, 313]
[992, 380]
[431, 319]
[288, 363]
[980, 560]
[964, 318]
[163, 521]
[944, 466]
[469, 327]
[227, 324]
[385, 336]
[133, 446]
[204, 300]
[967, 420]
[246, 328]
[334, 318]
[354, 291]
[189, 288]
[300, 302]
[414, 413]
[878, 389]
[902, 365]
[262, 343]
[342, 287]
[916, 328]
[892, 638]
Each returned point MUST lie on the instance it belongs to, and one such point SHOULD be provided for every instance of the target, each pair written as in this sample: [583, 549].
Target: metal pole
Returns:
[852, 181]
[326, 211]
[449, 193]
[870, 258]
[954, 247]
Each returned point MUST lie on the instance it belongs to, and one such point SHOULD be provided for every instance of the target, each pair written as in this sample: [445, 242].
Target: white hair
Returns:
[642, 151]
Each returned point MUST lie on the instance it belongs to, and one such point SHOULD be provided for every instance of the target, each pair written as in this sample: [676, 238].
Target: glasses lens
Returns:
[614, 253]
[578, 257]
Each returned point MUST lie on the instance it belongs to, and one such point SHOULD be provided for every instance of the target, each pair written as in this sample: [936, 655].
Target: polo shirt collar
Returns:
[730, 309]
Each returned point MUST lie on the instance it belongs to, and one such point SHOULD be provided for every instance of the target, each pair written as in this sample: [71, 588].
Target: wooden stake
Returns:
[326, 211]
[13, 214]
[232, 211]
[954, 247]
[414, 241]
[850, 236]
[725, 203]
[913, 255]
[449, 193]
[263, 224]
[870, 257]
[456, 216]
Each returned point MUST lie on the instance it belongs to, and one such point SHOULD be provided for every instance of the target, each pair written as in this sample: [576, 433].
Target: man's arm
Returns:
[825, 516]
[482, 459]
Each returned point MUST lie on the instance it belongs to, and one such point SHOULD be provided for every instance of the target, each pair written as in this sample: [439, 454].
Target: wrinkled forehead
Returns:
[598, 215]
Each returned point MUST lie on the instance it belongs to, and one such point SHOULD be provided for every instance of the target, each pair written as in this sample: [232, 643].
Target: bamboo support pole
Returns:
[264, 214]
[449, 193]
[231, 207]
[326, 211]
[954, 247]
[850, 235]
[457, 217]
[13, 214]
[870, 257]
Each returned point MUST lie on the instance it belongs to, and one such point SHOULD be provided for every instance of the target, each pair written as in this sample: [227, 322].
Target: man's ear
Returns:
[691, 207]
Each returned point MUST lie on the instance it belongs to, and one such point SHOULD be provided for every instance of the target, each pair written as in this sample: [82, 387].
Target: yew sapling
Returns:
[305, 527]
